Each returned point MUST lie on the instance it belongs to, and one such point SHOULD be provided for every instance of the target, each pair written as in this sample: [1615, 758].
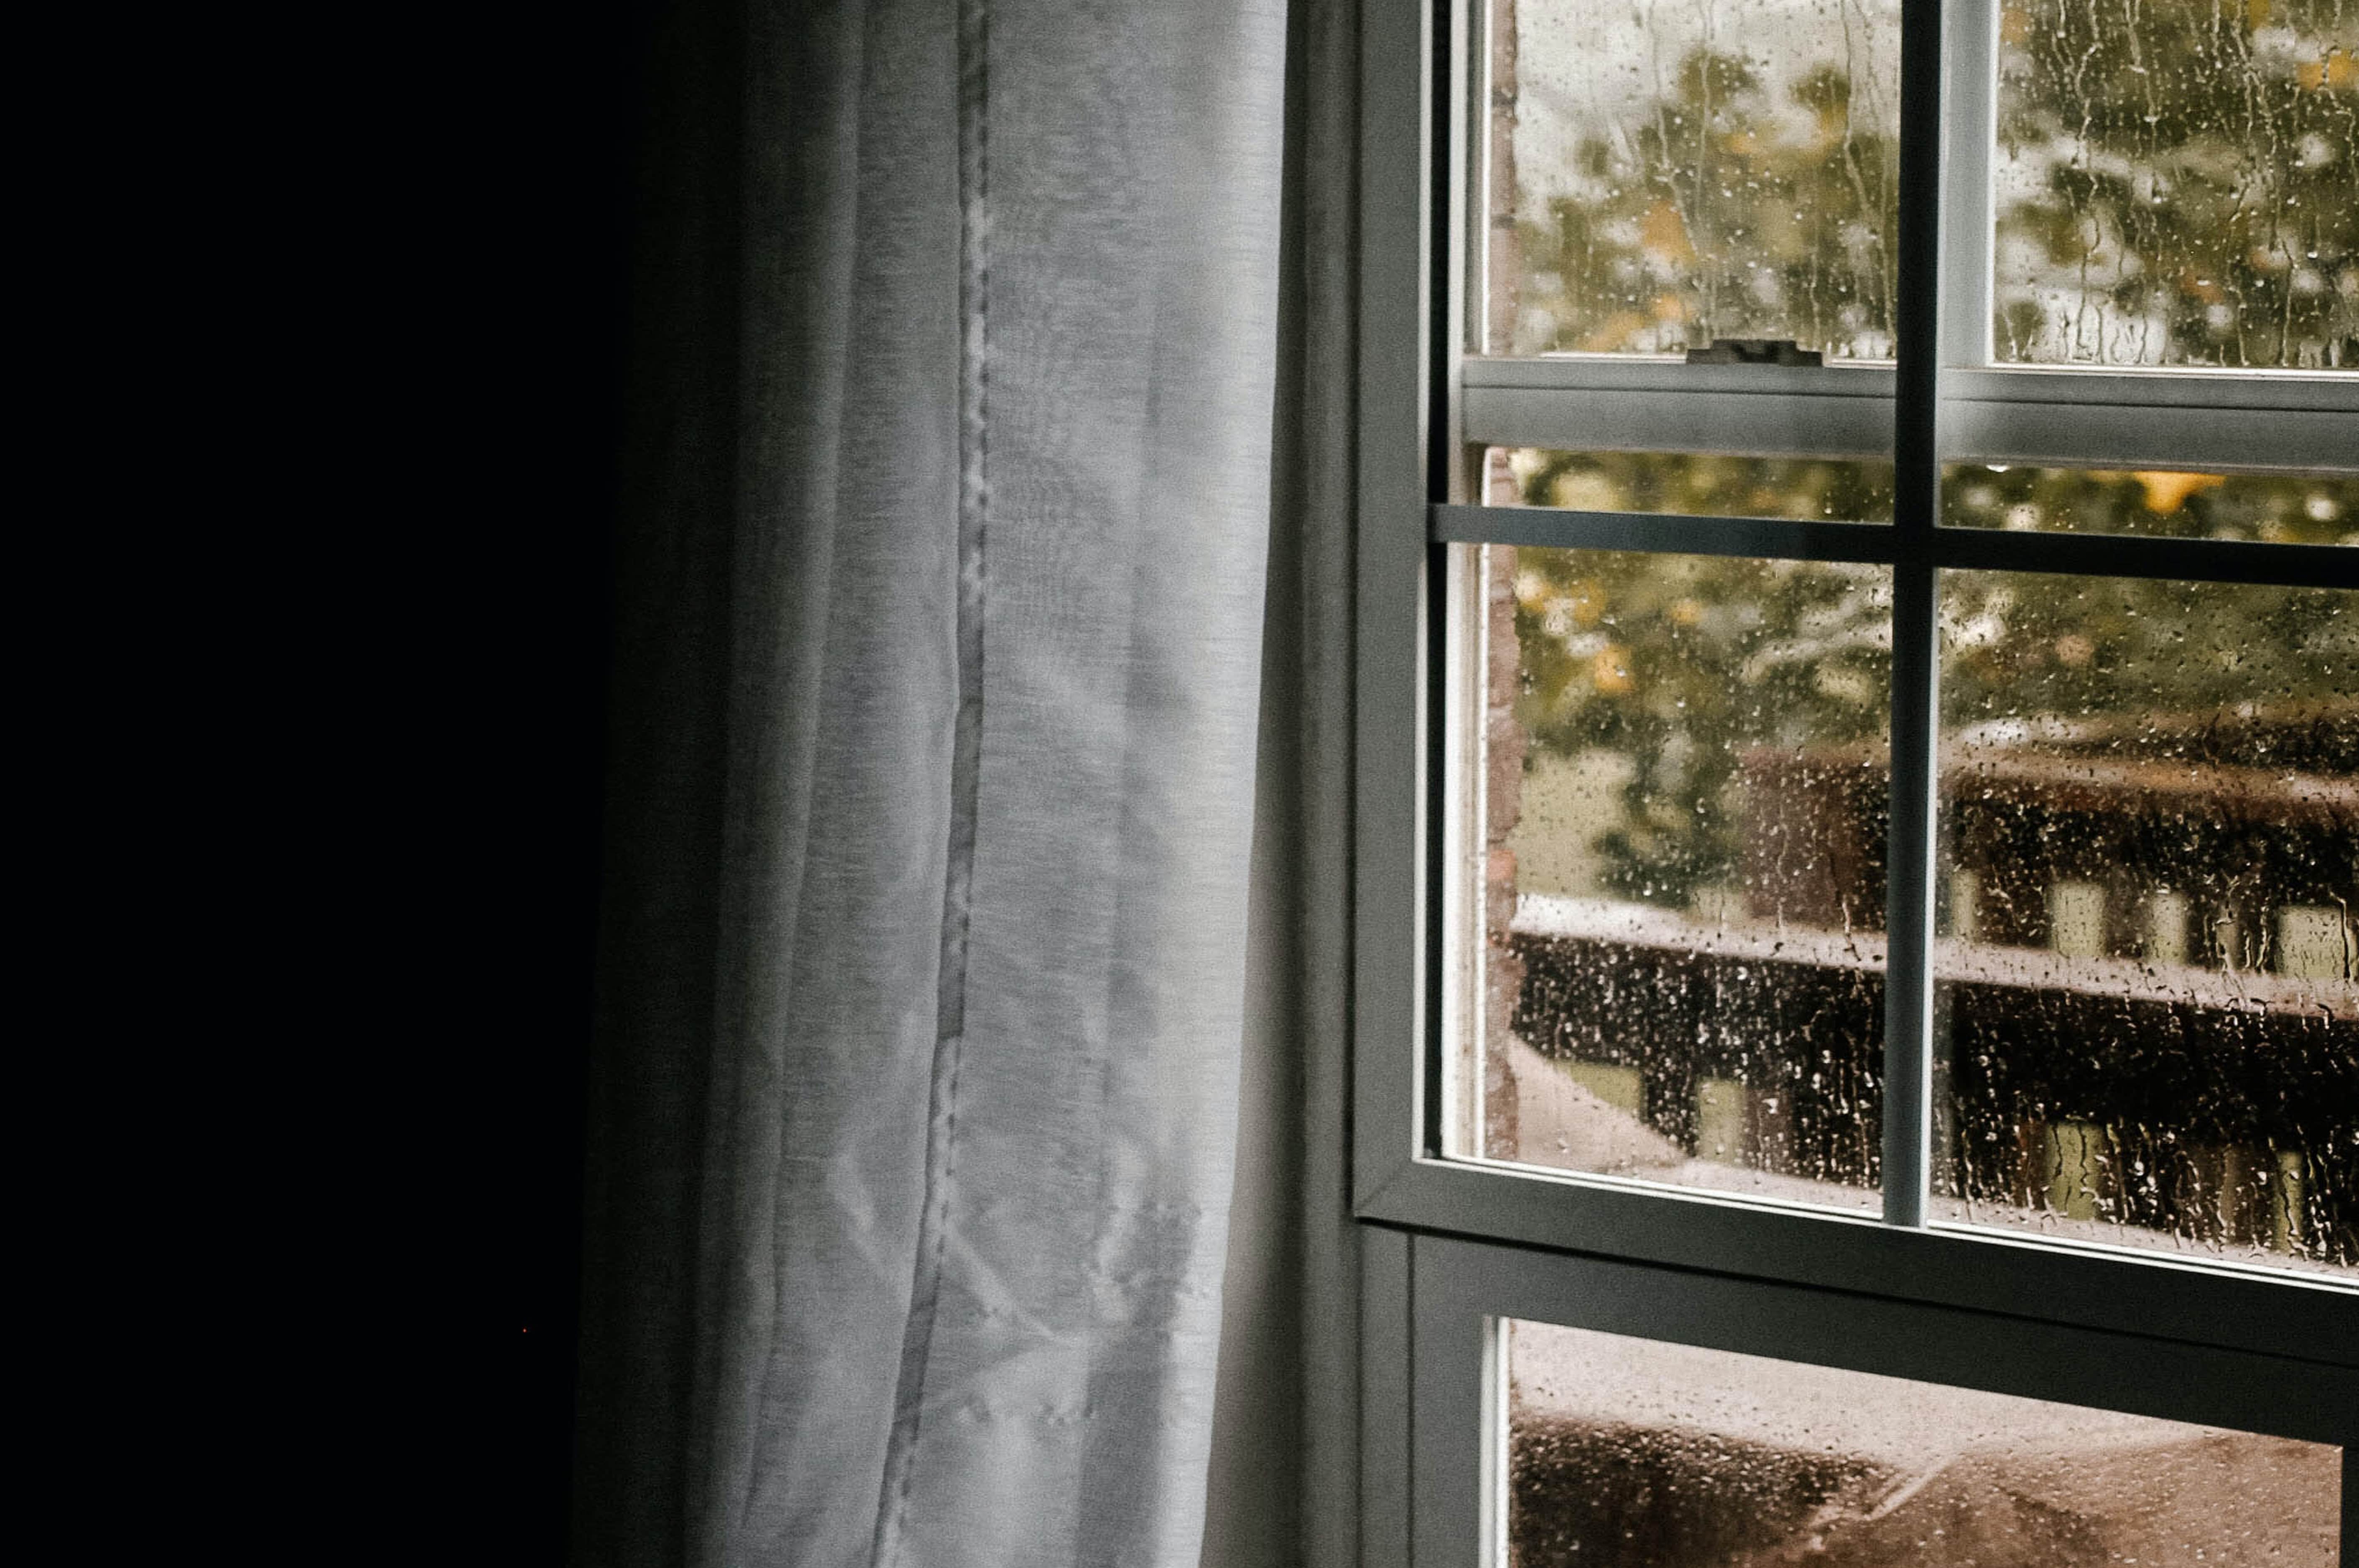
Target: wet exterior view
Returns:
[1668, 859]
[2171, 179]
[2148, 968]
[1626, 1451]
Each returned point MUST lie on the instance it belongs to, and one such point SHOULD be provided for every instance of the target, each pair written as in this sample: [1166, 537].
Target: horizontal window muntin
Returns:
[1993, 550]
[2273, 505]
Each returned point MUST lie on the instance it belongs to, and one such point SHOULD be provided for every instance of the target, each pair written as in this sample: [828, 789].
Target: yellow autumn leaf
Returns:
[2167, 492]
[1610, 670]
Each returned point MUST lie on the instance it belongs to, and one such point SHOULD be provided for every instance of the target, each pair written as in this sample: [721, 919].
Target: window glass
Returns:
[2272, 508]
[1808, 489]
[2147, 1013]
[1664, 176]
[1628, 1451]
[1684, 868]
[2174, 184]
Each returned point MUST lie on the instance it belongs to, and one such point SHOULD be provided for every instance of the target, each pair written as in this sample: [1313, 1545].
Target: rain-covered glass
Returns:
[2148, 971]
[1684, 870]
[1807, 489]
[1664, 176]
[2271, 508]
[1628, 1451]
[2175, 183]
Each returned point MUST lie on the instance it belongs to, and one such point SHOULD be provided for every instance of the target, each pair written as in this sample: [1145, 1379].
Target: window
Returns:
[1856, 1043]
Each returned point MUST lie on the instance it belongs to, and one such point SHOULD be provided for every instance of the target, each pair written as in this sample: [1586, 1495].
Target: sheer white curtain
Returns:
[939, 652]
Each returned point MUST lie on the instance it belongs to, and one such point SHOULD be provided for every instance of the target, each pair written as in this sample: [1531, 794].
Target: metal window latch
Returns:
[1754, 351]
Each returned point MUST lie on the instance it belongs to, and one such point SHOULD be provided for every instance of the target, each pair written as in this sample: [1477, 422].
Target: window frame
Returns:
[1447, 1245]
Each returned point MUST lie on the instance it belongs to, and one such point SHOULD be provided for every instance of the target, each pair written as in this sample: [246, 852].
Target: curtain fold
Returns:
[1285, 1457]
[939, 600]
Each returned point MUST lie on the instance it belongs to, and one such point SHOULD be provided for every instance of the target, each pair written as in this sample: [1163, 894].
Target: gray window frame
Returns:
[1448, 1246]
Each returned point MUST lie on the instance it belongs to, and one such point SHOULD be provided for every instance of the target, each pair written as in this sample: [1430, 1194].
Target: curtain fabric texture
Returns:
[939, 621]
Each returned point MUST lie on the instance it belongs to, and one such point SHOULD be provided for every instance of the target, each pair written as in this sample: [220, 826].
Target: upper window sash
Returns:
[2055, 415]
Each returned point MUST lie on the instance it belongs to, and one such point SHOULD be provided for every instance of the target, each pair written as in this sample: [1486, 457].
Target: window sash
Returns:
[1447, 1245]
[2057, 415]
[1414, 427]
[1441, 1424]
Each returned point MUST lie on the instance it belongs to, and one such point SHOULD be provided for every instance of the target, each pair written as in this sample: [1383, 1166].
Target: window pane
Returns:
[2174, 184]
[2148, 1011]
[1664, 176]
[1683, 865]
[2282, 508]
[1807, 489]
[2290, 509]
[1627, 1451]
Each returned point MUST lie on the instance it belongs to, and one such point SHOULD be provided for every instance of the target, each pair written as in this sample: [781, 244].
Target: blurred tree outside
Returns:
[2174, 182]
[1680, 664]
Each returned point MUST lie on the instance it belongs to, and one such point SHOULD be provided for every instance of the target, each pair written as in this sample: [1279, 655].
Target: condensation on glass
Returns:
[1633, 1451]
[2146, 1017]
[1680, 850]
[2174, 184]
[1661, 176]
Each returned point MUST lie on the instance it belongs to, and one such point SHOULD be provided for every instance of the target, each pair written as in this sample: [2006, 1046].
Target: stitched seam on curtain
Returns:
[966, 756]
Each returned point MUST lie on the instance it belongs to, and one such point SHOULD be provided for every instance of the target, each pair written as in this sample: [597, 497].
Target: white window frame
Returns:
[1448, 1247]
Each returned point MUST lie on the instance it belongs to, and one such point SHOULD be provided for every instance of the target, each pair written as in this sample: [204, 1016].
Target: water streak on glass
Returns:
[1628, 1451]
[1685, 878]
[2175, 184]
[2147, 1009]
[1665, 175]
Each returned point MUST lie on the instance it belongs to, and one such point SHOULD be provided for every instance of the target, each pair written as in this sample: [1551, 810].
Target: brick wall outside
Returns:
[1503, 970]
